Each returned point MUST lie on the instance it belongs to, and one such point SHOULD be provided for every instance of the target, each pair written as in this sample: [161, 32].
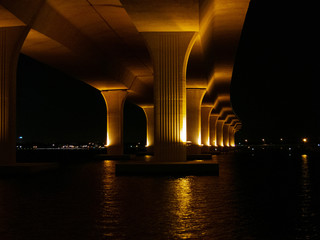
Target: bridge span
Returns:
[172, 58]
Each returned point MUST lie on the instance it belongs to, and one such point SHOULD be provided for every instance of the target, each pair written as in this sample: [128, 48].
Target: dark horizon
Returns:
[273, 89]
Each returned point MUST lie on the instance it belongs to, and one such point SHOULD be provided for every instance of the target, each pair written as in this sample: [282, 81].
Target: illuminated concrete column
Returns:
[205, 125]
[226, 128]
[231, 136]
[114, 101]
[213, 129]
[11, 39]
[194, 99]
[219, 134]
[169, 52]
[149, 112]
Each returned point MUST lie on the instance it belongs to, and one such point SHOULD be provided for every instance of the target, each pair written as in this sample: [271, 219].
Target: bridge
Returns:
[173, 58]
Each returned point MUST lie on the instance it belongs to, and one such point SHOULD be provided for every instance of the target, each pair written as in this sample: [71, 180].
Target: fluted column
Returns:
[213, 129]
[219, 129]
[11, 39]
[194, 99]
[114, 138]
[149, 112]
[169, 52]
[226, 127]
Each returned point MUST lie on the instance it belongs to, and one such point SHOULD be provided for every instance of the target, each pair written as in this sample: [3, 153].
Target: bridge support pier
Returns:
[194, 99]
[169, 52]
[231, 136]
[213, 129]
[11, 39]
[149, 112]
[219, 134]
[205, 125]
[114, 138]
[226, 134]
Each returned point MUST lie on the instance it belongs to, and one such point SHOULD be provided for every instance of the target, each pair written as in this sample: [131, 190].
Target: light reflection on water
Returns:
[253, 198]
[191, 207]
[183, 211]
[306, 221]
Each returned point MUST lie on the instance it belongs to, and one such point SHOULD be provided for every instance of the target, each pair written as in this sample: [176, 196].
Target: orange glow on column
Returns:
[214, 143]
[183, 131]
[107, 141]
[199, 139]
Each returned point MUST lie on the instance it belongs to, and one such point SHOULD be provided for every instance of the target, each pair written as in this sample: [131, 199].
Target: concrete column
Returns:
[205, 125]
[11, 39]
[169, 52]
[194, 99]
[231, 136]
[226, 127]
[149, 112]
[213, 130]
[219, 135]
[114, 138]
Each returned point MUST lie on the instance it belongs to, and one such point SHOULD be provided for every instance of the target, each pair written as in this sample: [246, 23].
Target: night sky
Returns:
[53, 107]
[274, 88]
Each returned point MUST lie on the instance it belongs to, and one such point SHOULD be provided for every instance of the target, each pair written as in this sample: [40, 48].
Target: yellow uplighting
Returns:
[183, 132]
[199, 140]
[208, 142]
[215, 143]
[107, 141]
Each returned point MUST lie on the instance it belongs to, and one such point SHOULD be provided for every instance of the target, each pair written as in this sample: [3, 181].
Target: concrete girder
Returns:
[109, 29]
[100, 42]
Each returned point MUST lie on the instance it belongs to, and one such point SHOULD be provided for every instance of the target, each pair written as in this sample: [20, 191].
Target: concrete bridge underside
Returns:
[172, 58]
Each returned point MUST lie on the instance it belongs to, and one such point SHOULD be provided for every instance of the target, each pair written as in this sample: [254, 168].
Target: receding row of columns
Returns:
[167, 120]
[203, 127]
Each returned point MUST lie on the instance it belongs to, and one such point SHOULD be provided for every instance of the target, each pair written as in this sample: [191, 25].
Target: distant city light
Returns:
[263, 139]
[281, 139]
[246, 140]
[304, 139]
[20, 137]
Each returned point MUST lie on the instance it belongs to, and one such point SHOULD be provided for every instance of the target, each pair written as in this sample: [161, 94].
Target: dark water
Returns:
[267, 196]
